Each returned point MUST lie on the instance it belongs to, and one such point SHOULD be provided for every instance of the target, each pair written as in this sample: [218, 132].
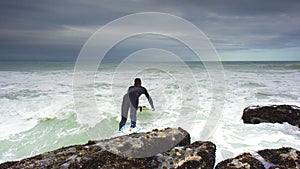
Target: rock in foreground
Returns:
[285, 157]
[272, 114]
[118, 152]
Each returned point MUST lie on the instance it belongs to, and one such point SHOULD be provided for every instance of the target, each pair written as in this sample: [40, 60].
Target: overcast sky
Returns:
[239, 29]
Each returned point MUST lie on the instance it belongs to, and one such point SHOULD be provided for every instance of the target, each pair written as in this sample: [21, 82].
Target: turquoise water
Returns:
[38, 110]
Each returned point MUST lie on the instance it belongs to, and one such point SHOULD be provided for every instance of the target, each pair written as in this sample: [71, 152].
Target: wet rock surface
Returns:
[147, 144]
[285, 157]
[272, 114]
[245, 160]
[120, 152]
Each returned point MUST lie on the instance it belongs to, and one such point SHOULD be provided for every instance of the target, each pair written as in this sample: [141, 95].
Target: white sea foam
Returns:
[38, 114]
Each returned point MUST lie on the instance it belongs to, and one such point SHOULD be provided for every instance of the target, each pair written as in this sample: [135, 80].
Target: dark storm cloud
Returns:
[57, 30]
[249, 24]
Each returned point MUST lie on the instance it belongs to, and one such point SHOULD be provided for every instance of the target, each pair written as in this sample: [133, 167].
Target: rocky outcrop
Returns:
[272, 114]
[245, 160]
[148, 144]
[285, 157]
[168, 148]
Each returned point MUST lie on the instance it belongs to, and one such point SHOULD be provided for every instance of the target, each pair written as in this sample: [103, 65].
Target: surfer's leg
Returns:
[133, 116]
[124, 110]
[122, 122]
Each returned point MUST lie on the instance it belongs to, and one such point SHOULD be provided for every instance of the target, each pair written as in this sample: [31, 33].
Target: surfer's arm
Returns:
[149, 99]
[151, 102]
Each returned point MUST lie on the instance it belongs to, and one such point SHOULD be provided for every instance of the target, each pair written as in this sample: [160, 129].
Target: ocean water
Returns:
[41, 109]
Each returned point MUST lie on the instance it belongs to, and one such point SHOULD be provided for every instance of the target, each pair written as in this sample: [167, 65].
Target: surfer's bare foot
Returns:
[130, 129]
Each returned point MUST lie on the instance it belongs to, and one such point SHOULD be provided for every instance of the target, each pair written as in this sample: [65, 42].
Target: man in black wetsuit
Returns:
[131, 99]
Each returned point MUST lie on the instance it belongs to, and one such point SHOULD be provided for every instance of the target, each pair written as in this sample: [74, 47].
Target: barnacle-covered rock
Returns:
[282, 158]
[285, 157]
[244, 161]
[123, 152]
